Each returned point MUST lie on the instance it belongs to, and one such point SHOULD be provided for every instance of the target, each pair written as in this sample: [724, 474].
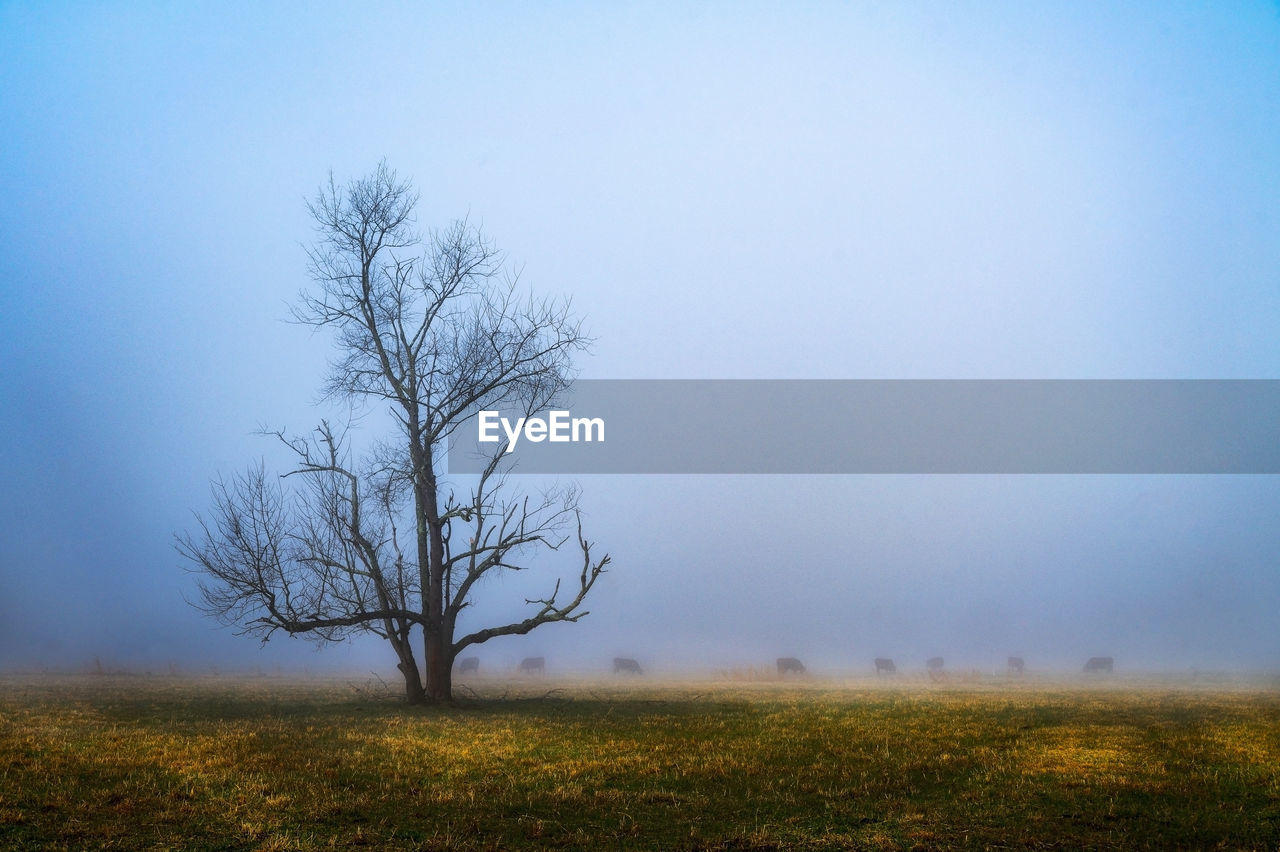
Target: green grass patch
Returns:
[218, 763]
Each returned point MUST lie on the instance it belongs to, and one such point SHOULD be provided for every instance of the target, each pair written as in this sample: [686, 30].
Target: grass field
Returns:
[270, 763]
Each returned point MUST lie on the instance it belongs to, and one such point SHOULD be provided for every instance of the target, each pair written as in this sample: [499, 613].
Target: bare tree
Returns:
[431, 327]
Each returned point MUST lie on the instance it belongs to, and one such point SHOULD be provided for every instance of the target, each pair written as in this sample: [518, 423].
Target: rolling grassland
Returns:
[122, 761]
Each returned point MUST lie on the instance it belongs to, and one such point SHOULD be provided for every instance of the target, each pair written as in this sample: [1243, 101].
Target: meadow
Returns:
[138, 762]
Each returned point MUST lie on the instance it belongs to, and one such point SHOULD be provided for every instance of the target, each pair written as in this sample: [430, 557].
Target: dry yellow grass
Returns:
[270, 763]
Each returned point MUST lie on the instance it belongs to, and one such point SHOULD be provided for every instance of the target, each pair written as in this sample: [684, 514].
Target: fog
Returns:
[878, 191]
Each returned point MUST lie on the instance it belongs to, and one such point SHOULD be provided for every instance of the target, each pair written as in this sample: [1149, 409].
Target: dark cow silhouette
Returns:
[884, 665]
[625, 665]
[533, 665]
[790, 665]
[1100, 664]
[469, 665]
[935, 666]
[1016, 665]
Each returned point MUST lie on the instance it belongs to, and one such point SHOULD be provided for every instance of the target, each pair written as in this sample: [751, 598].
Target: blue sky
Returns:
[873, 190]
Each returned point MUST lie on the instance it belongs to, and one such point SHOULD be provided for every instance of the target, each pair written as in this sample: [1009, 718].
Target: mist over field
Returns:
[875, 191]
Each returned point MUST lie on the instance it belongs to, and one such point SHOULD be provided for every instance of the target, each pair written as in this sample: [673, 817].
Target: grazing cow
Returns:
[469, 665]
[1016, 665]
[789, 665]
[1100, 664]
[533, 665]
[934, 666]
[884, 665]
[625, 665]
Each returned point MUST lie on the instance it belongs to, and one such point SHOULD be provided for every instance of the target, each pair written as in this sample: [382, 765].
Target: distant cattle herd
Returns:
[935, 667]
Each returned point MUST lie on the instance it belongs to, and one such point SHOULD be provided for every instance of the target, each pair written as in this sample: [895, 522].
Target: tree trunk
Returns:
[412, 683]
[439, 667]
[438, 638]
[408, 666]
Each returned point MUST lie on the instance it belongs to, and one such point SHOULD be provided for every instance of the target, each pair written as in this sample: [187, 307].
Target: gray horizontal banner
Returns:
[886, 426]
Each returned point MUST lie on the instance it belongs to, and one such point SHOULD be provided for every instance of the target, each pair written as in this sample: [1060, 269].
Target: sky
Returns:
[774, 191]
